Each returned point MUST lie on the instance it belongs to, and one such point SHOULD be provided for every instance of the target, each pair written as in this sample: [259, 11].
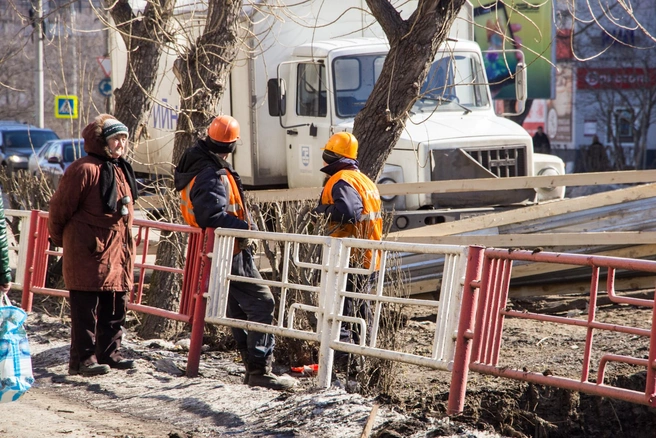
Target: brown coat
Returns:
[98, 247]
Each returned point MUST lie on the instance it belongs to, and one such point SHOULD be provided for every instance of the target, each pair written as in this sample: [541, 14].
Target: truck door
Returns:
[309, 121]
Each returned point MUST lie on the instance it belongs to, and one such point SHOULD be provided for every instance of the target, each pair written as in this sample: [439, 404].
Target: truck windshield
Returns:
[454, 80]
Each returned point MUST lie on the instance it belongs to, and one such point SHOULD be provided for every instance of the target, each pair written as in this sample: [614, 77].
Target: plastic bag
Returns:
[15, 360]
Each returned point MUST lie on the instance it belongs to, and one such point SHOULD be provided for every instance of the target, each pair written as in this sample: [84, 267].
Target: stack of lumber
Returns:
[617, 223]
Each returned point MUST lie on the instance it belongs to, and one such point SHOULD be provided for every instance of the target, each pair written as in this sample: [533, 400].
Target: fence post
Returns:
[329, 308]
[200, 304]
[465, 329]
[26, 299]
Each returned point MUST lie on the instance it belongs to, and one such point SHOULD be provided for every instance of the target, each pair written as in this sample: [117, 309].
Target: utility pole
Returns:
[40, 33]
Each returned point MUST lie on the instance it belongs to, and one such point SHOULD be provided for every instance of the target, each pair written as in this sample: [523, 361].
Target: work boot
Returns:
[266, 379]
[92, 369]
[121, 364]
[244, 359]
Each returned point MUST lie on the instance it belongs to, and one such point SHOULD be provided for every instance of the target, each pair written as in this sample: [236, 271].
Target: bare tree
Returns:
[627, 114]
[616, 52]
[144, 38]
[72, 41]
[413, 45]
[202, 70]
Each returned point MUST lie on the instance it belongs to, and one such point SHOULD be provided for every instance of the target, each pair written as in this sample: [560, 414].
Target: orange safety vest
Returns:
[235, 205]
[370, 223]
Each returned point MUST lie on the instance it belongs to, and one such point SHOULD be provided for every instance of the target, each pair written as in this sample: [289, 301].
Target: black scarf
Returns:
[108, 181]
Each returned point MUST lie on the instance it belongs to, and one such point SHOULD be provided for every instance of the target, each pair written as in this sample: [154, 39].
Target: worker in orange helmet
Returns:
[351, 203]
[212, 196]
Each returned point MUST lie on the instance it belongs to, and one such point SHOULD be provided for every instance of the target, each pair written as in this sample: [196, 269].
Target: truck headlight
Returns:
[387, 180]
[548, 171]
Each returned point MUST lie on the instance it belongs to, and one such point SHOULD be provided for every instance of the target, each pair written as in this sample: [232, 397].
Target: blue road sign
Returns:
[66, 107]
[105, 87]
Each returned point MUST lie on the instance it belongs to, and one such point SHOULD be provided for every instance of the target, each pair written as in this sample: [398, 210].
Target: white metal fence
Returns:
[329, 290]
[18, 245]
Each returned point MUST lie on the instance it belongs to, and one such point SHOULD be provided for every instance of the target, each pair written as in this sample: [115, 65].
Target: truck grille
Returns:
[501, 161]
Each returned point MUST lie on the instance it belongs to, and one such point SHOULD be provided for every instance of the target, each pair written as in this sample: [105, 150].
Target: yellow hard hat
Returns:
[344, 144]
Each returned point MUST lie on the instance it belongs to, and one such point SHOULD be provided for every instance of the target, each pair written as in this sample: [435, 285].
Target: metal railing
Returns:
[487, 334]
[329, 292]
[37, 253]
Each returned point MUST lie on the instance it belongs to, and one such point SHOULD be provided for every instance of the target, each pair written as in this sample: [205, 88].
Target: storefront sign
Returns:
[625, 78]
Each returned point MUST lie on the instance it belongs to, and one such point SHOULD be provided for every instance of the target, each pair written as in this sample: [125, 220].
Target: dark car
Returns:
[54, 157]
[18, 141]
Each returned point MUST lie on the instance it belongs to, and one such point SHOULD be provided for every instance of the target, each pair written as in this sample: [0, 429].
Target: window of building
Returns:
[624, 118]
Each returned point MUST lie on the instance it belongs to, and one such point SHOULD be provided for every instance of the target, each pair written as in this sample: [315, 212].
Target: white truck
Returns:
[304, 72]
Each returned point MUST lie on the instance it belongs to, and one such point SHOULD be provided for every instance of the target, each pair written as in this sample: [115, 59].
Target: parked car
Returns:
[18, 141]
[54, 157]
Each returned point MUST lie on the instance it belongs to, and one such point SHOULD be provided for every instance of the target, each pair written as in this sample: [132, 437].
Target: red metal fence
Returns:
[490, 307]
[191, 309]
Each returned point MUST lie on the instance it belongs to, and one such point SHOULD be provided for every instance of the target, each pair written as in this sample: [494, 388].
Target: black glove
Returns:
[321, 209]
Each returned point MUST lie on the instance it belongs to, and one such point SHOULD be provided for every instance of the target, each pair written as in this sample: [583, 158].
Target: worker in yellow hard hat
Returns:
[351, 203]
[212, 196]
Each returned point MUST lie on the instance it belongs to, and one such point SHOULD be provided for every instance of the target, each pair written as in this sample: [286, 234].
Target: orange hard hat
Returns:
[224, 129]
[344, 144]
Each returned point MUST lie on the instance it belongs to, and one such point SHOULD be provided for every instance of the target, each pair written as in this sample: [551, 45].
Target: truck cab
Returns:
[452, 132]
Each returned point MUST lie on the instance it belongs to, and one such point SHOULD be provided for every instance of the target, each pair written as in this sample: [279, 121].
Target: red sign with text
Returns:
[625, 78]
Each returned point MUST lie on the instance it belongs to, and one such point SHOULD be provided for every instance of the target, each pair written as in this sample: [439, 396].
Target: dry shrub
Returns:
[378, 376]
[25, 192]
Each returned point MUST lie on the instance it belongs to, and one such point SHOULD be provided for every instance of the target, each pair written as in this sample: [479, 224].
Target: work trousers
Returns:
[252, 302]
[97, 320]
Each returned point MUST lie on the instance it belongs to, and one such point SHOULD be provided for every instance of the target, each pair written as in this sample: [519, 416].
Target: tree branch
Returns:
[388, 18]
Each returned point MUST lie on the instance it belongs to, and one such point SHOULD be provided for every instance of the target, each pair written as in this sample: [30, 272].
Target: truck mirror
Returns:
[521, 91]
[276, 94]
[521, 88]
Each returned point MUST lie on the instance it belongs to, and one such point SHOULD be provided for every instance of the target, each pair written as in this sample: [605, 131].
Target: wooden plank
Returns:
[520, 182]
[530, 241]
[427, 288]
[148, 202]
[283, 195]
[628, 216]
[366, 432]
[540, 211]
[451, 186]
[473, 185]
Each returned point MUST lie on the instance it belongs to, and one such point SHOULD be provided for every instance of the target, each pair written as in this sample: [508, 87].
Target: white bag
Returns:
[15, 361]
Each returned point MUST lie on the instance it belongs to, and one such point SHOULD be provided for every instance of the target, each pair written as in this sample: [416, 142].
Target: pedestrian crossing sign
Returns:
[66, 107]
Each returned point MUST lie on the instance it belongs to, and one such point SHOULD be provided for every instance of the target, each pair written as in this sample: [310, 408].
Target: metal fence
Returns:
[329, 291]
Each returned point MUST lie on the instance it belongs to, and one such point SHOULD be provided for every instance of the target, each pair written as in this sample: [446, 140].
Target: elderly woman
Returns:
[91, 218]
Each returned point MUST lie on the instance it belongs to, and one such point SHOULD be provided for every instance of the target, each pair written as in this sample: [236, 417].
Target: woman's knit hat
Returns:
[113, 127]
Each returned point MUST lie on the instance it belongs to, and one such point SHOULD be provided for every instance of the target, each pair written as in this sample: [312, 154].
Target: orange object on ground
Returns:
[307, 370]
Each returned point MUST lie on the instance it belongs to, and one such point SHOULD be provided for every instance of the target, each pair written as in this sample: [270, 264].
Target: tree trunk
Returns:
[413, 44]
[202, 72]
[143, 38]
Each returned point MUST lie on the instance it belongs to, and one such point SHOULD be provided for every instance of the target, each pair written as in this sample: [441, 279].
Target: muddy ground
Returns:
[156, 400]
